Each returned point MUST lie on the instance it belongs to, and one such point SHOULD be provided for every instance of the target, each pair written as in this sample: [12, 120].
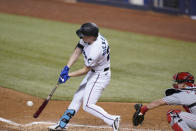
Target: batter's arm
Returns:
[74, 57]
[80, 72]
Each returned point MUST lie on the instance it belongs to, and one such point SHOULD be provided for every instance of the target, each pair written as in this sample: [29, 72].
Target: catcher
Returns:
[183, 93]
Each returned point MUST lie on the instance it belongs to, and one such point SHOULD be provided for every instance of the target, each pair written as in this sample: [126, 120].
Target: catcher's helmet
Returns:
[88, 29]
[184, 77]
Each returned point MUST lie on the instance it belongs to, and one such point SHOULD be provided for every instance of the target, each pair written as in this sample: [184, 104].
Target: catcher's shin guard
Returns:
[64, 120]
[176, 122]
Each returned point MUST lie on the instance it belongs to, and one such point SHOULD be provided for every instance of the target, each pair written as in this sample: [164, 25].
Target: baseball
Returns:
[29, 103]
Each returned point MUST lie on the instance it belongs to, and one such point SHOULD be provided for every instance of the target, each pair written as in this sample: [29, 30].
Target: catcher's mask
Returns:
[183, 77]
[88, 29]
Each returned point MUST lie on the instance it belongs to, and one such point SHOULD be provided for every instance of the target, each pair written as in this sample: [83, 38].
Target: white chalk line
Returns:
[69, 125]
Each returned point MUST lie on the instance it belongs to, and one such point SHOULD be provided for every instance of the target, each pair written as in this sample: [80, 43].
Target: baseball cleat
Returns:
[56, 128]
[116, 124]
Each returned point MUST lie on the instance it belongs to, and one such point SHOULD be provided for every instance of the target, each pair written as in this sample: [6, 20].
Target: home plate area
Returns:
[15, 115]
[8, 125]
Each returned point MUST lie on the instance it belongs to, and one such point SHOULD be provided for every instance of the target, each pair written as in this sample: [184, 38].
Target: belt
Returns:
[105, 69]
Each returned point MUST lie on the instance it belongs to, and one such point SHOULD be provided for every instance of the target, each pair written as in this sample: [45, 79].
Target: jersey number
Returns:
[106, 50]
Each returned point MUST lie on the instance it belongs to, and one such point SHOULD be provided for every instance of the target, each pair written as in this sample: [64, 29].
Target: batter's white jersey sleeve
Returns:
[96, 55]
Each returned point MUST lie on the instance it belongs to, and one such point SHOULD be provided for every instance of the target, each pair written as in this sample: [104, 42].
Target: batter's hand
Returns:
[65, 71]
[64, 75]
[63, 79]
[138, 116]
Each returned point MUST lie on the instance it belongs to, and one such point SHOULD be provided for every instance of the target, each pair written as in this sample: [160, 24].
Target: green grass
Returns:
[33, 52]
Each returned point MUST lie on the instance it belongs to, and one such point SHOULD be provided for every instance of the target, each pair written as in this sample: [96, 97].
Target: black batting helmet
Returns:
[88, 29]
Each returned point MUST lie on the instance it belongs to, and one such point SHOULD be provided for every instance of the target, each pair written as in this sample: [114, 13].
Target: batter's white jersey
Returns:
[186, 98]
[96, 55]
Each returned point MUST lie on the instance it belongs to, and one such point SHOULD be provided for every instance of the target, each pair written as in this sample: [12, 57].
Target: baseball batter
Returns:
[96, 52]
[183, 93]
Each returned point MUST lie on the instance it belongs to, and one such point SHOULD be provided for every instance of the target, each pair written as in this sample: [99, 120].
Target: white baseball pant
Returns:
[89, 93]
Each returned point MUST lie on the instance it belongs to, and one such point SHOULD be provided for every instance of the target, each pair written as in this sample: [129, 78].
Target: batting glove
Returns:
[64, 75]
[65, 71]
[63, 79]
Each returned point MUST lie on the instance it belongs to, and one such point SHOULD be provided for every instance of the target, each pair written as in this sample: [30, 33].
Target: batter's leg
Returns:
[77, 99]
[79, 95]
[74, 105]
[93, 91]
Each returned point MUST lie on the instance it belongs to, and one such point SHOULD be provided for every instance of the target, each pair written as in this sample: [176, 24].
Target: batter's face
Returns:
[89, 39]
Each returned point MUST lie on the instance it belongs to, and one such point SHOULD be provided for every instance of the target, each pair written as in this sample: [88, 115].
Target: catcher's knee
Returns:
[176, 122]
[171, 114]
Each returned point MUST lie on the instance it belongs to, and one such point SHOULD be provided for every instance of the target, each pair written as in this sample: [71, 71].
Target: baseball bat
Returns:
[41, 108]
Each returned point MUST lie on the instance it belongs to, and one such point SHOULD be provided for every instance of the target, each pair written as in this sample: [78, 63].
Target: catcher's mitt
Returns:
[138, 117]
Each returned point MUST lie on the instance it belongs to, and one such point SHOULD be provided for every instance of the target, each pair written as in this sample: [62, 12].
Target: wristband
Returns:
[144, 109]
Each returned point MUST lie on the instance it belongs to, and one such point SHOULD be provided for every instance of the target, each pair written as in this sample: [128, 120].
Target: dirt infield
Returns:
[16, 116]
[13, 108]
